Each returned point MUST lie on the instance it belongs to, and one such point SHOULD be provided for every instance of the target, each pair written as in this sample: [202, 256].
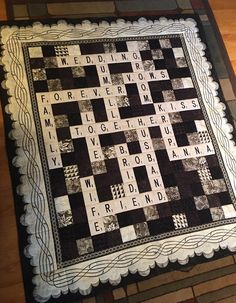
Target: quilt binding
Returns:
[50, 281]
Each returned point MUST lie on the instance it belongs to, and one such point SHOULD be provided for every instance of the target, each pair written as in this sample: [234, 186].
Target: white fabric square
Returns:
[132, 45]
[187, 82]
[229, 211]
[128, 233]
[74, 50]
[200, 125]
[35, 52]
[62, 203]
[178, 52]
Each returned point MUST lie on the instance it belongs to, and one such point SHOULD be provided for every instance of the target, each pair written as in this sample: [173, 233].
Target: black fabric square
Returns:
[80, 82]
[214, 200]
[160, 226]
[166, 85]
[155, 86]
[53, 73]
[134, 147]
[40, 86]
[163, 161]
[104, 193]
[92, 81]
[100, 116]
[134, 100]
[68, 243]
[189, 205]
[193, 219]
[189, 177]
[63, 133]
[107, 179]
[146, 55]
[37, 63]
[80, 144]
[103, 241]
[114, 237]
[157, 96]
[67, 81]
[212, 161]
[118, 138]
[177, 166]
[57, 181]
[154, 44]
[74, 119]
[100, 242]
[190, 127]
[164, 210]
[160, 64]
[204, 216]
[78, 208]
[143, 110]
[131, 217]
[168, 53]
[121, 46]
[144, 186]
[91, 48]
[177, 72]
[68, 159]
[131, 89]
[155, 132]
[216, 172]
[91, 71]
[112, 166]
[185, 190]
[81, 229]
[177, 207]
[116, 68]
[175, 42]
[48, 51]
[106, 140]
[197, 189]
[99, 110]
[126, 112]
[169, 180]
[181, 140]
[224, 198]
[179, 128]
[142, 179]
[65, 108]
[170, 63]
[195, 115]
[82, 157]
[181, 94]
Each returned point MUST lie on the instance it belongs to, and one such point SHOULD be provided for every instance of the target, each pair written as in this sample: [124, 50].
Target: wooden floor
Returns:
[225, 14]
[11, 287]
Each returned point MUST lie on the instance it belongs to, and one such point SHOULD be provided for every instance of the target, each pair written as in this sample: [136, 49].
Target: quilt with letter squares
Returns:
[123, 144]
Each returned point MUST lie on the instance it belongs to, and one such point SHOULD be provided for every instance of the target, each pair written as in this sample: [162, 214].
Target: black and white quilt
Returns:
[125, 152]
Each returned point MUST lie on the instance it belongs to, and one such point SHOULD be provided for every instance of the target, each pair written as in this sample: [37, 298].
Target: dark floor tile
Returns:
[37, 9]
[140, 5]
[184, 4]
[20, 10]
